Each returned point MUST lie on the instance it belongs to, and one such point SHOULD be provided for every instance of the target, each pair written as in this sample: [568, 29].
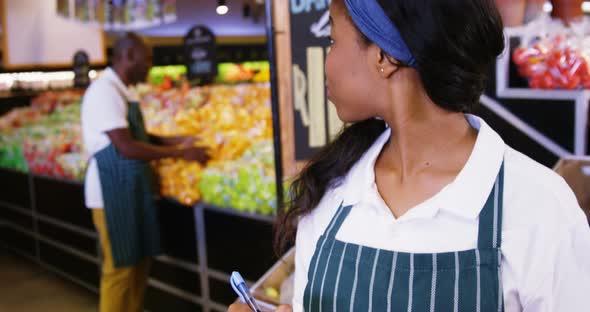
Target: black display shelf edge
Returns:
[236, 213]
[57, 179]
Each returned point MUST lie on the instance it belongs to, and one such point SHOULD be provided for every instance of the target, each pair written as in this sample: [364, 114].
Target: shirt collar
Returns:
[464, 197]
[114, 78]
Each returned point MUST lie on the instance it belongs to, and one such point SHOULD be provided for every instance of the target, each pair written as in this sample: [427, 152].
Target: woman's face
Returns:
[350, 79]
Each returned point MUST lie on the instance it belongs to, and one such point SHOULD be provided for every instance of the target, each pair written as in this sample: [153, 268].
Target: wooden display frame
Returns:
[282, 26]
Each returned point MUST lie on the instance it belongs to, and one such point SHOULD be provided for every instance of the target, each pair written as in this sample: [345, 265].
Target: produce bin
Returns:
[279, 278]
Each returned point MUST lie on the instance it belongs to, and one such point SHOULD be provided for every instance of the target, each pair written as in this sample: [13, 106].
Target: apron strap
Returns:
[336, 222]
[490, 218]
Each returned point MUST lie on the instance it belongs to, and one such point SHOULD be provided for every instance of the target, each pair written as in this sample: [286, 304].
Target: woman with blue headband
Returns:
[418, 205]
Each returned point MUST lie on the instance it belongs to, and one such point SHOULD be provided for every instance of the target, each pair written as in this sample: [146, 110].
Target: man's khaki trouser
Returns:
[121, 289]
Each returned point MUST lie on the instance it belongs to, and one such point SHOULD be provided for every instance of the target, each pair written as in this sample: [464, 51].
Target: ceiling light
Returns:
[222, 8]
[548, 7]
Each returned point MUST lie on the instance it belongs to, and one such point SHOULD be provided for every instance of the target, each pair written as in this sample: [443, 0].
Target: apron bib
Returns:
[129, 199]
[348, 277]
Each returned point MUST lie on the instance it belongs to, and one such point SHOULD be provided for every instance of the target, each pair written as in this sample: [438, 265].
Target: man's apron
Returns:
[129, 192]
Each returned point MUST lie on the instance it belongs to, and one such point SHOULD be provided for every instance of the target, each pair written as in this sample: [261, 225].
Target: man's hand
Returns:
[178, 141]
[188, 141]
[200, 154]
[133, 149]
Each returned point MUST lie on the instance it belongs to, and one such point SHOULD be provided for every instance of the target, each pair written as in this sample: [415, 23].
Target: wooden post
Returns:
[282, 27]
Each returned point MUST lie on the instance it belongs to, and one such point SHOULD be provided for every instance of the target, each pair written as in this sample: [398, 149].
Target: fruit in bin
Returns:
[227, 119]
[55, 133]
[11, 153]
[548, 81]
[262, 76]
[560, 62]
[238, 73]
[272, 293]
[73, 165]
[524, 55]
[247, 184]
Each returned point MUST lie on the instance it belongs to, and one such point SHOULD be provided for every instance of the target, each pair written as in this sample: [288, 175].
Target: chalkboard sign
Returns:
[316, 121]
[199, 46]
[81, 69]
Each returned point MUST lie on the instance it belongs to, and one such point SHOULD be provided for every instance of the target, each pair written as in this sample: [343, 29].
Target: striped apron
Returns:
[129, 197]
[348, 277]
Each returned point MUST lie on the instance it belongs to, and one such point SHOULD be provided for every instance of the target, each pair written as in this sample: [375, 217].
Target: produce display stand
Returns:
[546, 125]
[44, 220]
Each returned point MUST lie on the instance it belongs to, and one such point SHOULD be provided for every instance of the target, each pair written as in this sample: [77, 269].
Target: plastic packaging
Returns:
[553, 56]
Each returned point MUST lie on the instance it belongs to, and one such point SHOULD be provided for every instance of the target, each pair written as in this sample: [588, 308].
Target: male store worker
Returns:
[119, 186]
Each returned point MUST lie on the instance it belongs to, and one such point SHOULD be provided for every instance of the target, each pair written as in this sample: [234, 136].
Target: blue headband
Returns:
[372, 21]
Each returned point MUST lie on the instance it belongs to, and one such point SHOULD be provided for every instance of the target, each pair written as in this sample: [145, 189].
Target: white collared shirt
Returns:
[545, 234]
[104, 108]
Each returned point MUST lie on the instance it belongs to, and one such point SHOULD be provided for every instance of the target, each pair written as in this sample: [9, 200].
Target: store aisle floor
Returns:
[26, 287]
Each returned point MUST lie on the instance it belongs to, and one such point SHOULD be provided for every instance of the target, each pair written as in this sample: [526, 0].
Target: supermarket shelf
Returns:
[199, 218]
[224, 277]
[221, 276]
[10, 94]
[67, 226]
[217, 307]
[46, 250]
[11, 170]
[523, 127]
[68, 276]
[60, 180]
[228, 211]
[20, 229]
[53, 243]
[16, 208]
[580, 98]
[49, 220]
[180, 263]
[175, 291]
[172, 200]
[504, 90]
[50, 268]
[18, 252]
[233, 212]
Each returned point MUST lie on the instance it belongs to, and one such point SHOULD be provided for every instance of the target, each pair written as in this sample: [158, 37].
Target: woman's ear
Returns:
[385, 65]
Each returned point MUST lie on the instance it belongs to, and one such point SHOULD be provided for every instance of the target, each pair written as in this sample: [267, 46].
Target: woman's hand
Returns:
[241, 307]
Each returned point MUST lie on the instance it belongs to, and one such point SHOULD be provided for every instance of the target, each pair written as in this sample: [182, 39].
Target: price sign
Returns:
[81, 69]
[199, 44]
